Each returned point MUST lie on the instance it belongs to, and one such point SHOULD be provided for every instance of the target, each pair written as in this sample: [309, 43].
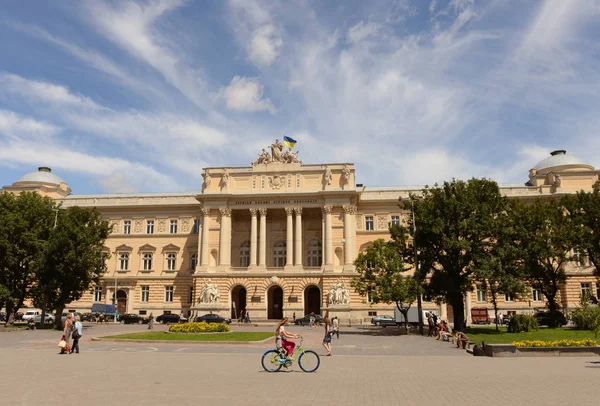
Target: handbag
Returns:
[75, 334]
[62, 343]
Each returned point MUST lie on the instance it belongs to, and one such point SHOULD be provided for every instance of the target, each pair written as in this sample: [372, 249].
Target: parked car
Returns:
[49, 319]
[131, 318]
[166, 318]
[213, 318]
[30, 314]
[2, 317]
[306, 320]
[543, 318]
[383, 321]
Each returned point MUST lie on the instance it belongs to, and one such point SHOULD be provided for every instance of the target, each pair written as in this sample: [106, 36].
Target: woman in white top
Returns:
[281, 338]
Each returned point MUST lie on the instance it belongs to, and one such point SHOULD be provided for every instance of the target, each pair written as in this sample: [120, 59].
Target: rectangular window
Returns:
[145, 294]
[481, 294]
[123, 262]
[173, 228]
[372, 313]
[147, 261]
[370, 296]
[586, 289]
[127, 227]
[196, 227]
[169, 294]
[395, 220]
[597, 290]
[97, 294]
[509, 297]
[426, 297]
[537, 295]
[191, 298]
[193, 261]
[150, 227]
[171, 261]
[369, 224]
[143, 312]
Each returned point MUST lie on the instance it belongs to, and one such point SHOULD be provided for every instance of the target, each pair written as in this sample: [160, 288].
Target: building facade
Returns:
[275, 238]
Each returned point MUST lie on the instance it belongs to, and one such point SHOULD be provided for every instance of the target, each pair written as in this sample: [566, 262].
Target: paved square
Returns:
[366, 368]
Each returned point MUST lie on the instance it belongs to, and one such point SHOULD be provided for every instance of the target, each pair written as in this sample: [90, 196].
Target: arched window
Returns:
[193, 261]
[315, 253]
[123, 262]
[279, 250]
[245, 254]
[147, 261]
[171, 261]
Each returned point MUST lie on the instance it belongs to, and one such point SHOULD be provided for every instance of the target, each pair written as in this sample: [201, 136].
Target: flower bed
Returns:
[558, 343]
[201, 327]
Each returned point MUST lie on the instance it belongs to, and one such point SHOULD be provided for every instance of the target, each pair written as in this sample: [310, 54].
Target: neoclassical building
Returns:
[275, 238]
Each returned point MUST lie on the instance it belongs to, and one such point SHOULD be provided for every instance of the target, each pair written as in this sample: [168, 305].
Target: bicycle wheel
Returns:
[270, 361]
[309, 361]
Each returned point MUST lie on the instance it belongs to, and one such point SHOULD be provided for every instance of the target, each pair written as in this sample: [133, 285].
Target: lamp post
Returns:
[115, 298]
[417, 277]
[43, 316]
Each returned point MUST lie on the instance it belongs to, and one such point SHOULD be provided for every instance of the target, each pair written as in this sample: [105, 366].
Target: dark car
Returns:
[212, 318]
[87, 317]
[306, 320]
[544, 318]
[131, 318]
[167, 318]
[2, 317]
[383, 321]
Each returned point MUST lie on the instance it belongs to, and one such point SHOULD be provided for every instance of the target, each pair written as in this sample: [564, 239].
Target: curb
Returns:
[116, 340]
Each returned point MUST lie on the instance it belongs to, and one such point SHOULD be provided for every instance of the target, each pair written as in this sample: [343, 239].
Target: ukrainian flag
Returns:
[289, 142]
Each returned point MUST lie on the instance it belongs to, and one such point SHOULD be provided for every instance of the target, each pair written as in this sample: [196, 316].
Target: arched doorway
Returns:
[275, 302]
[121, 301]
[238, 301]
[312, 300]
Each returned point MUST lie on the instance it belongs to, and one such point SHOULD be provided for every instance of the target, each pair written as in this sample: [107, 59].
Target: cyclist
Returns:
[282, 336]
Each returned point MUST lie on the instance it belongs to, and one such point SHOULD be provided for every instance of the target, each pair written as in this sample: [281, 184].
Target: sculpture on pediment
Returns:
[225, 178]
[206, 178]
[263, 158]
[345, 176]
[291, 157]
[276, 181]
[209, 293]
[277, 151]
[338, 294]
[327, 176]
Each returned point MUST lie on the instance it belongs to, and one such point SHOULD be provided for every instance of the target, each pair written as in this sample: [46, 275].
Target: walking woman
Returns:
[67, 334]
[282, 336]
[327, 338]
[150, 322]
[77, 330]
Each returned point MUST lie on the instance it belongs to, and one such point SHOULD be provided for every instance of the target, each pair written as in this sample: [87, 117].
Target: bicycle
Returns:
[273, 360]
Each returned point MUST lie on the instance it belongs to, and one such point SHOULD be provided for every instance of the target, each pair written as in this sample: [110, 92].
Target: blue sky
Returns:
[139, 96]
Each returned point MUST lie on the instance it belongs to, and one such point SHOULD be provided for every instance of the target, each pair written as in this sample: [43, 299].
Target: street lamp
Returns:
[416, 275]
[43, 316]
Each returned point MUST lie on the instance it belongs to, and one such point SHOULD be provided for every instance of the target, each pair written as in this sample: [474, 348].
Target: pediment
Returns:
[147, 247]
[123, 247]
[171, 248]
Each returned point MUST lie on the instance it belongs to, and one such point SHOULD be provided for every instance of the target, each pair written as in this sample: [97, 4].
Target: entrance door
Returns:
[275, 306]
[121, 302]
[238, 301]
[312, 300]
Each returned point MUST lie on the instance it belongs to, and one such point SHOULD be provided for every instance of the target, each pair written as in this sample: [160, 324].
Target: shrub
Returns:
[522, 323]
[201, 327]
[587, 317]
[588, 342]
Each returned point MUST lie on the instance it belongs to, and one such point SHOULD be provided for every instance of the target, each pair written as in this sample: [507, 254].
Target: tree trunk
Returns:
[458, 310]
[58, 321]
[43, 319]
[495, 304]
[553, 308]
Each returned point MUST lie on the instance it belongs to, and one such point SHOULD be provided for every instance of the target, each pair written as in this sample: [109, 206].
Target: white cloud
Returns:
[264, 46]
[14, 126]
[361, 31]
[246, 94]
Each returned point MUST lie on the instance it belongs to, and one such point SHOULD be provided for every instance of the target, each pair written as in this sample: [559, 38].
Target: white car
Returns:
[30, 314]
[49, 319]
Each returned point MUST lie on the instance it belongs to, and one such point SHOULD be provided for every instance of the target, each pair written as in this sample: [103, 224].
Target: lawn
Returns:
[491, 336]
[163, 336]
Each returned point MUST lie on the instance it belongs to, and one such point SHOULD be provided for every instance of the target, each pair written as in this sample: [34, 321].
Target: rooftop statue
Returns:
[277, 155]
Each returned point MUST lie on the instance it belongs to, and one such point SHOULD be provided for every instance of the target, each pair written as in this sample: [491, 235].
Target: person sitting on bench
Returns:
[461, 339]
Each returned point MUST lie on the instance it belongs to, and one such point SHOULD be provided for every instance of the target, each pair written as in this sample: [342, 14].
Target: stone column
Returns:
[225, 237]
[349, 235]
[262, 257]
[328, 240]
[205, 221]
[253, 237]
[444, 311]
[199, 252]
[468, 308]
[298, 242]
[289, 244]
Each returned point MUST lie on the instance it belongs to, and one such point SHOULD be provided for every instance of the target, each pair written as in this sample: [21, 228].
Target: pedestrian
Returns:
[313, 320]
[101, 318]
[500, 319]
[68, 329]
[294, 316]
[327, 337]
[247, 317]
[76, 335]
[97, 317]
[336, 327]
[150, 322]
[181, 316]
[431, 325]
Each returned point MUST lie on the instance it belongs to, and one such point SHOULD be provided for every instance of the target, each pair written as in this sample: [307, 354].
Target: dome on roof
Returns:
[561, 160]
[43, 175]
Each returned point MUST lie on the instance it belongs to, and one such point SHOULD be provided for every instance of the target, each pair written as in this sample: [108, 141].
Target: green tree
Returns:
[25, 224]
[545, 235]
[454, 224]
[380, 276]
[73, 261]
[584, 209]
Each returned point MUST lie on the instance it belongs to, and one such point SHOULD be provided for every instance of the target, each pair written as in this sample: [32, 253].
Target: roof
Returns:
[560, 158]
[43, 175]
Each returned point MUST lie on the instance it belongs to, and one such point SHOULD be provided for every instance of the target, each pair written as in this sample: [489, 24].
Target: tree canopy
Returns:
[585, 211]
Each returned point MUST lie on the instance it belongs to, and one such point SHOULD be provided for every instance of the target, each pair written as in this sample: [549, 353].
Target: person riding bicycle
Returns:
[281, 338]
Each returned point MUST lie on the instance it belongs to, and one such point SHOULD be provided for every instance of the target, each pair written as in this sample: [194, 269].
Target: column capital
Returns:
[253, 212]
[289, 211]
[327, 209]
[263, 211]
[206, 212]
[225, 211]
[350, 209]
[298, 211]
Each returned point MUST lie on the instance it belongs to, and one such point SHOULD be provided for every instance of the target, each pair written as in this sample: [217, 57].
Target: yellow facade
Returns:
[275, 238]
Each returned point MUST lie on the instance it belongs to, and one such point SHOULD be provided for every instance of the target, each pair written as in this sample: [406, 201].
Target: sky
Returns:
[139, 96]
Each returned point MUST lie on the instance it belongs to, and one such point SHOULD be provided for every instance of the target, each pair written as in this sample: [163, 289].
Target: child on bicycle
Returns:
[281, 338]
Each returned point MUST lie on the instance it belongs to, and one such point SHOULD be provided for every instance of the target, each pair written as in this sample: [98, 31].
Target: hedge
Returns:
[201, 327]
[588, 342]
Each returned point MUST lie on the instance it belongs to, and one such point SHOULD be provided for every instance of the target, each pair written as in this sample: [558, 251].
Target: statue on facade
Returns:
[532, 173]
[291, 157]
[225, 178]
[327, 176]
[557, 181]
[206, 179]
[338, 294]
[277, 151]
[263, 158]
[345, 175]
[209, 293]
